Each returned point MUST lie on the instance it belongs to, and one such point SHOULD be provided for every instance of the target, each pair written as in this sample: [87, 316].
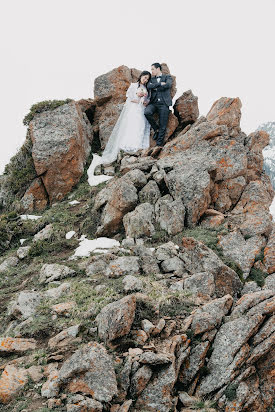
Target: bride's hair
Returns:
[144, 73]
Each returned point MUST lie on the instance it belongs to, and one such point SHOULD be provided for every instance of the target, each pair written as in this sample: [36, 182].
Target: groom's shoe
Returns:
[156, 135]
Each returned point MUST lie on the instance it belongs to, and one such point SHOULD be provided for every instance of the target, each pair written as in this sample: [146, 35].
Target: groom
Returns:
[160, 100]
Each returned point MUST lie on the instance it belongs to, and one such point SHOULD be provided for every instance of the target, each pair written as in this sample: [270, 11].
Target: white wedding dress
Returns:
[130, 133]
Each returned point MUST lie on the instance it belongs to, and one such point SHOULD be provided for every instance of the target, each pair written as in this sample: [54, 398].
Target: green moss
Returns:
[43, 107]
[233, 265]
[160, 236]
[44, 248]
[260, 255]
[144, 310]
[12, 228]
[231, 392]
[208, 236]
[258, 276]
[19, 173]
[175, 306]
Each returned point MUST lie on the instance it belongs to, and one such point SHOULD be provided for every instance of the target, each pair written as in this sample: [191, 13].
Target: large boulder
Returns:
[226, 111]
[140, 222]
[240, 250]
[234, 346]
[12, 381]
[88, 371]
[251, 213]
[255, 143]
[61, 145]
[186, 108]
[198, 258]
[24, 305]
[170, 214]
[116, 318]
[120, 197]
[110, 95]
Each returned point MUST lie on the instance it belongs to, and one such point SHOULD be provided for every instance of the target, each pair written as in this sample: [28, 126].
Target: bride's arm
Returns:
[131, 93]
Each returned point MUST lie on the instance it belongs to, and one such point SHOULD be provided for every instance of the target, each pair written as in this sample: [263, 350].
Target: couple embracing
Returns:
[150, 94]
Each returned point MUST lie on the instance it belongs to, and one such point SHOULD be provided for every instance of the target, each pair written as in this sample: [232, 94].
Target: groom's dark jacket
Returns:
[164, 91]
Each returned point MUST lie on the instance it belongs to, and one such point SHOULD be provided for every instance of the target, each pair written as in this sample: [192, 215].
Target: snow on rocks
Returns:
[87, 246]
[74, 202]
[70, 234]
[30, 217]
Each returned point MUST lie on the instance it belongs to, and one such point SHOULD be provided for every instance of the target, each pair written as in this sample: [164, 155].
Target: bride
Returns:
[132, 130]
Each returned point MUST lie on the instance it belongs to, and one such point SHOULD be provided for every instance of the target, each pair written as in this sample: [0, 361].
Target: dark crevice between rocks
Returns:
[47, 194]
[185, 216]
[90, 113]
[96, 144]
[163, 188]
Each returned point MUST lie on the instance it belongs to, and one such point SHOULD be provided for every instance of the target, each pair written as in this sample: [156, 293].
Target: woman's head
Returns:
[144, 77]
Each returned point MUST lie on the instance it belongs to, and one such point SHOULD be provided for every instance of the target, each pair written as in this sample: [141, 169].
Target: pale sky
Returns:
[54, 49]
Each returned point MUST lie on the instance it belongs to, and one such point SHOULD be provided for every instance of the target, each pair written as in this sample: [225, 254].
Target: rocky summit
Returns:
[150, 292]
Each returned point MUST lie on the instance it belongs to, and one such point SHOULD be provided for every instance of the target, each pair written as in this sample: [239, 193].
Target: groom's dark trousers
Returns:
[160, 100]
[163, 111]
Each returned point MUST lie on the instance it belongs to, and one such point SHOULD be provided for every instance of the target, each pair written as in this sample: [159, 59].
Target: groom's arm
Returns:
[168, 83]
[151, 85]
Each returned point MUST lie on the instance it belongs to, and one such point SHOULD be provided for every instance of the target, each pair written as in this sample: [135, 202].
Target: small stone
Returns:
[25, 305]
[131, 283]
[64, 338]
[123, 266]
[128, 242]
[51, 272]
[55, 293]
[23, 252]
[147, 326]
[54, 403]
[135, 351]
[63, 308]
[13, 379]
[152, 358]
[44, 234]
[140, 380]
[8, 263]
[160, 325]
[139, 336]
[10, 345]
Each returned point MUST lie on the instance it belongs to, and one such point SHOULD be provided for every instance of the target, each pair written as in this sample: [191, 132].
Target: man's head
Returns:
[156, 69]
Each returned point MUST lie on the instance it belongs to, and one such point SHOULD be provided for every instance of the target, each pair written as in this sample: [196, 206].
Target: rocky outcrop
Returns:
[186, 108]
[227, 111]
[179, 314]
[69, 132]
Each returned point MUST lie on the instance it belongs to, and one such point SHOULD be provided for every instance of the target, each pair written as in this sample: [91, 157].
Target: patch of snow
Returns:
[74, 202]
[70, 234]
[22, 241]
[92, 179]
[272, 209]
[101, 251]
[31, 217]
[86, 246]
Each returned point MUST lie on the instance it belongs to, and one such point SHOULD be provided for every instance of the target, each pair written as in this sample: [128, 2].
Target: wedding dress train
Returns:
[130, 133]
